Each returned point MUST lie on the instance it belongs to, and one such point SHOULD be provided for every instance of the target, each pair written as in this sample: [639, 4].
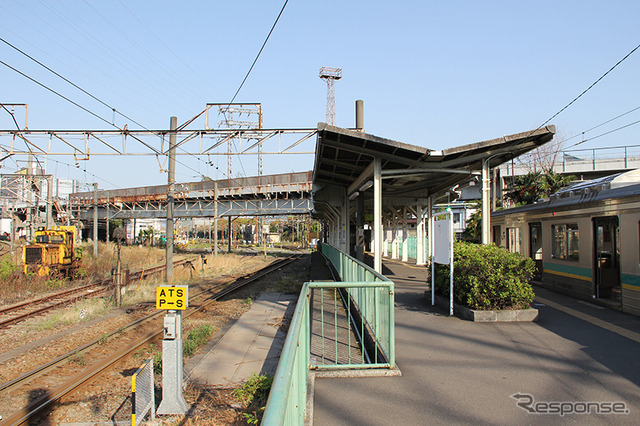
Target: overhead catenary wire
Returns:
[78, 58]
[113, 109]
[602, 124]
[124, 61]
[84, 108]
[70, 82]
[185, 63]
[182, 126]
[590, 87]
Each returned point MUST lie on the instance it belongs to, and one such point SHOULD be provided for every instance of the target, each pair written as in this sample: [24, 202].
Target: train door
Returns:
[606, 257]
[535, 247]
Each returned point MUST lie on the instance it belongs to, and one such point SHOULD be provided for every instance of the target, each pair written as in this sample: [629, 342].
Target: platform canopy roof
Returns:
[344, 160]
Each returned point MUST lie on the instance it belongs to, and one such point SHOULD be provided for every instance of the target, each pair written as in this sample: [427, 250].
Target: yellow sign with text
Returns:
[172, 297]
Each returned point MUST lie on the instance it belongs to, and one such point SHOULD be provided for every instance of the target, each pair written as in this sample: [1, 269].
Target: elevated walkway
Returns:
[459, 372]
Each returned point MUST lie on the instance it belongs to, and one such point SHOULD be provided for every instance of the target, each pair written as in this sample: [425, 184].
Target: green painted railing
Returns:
[369, 297]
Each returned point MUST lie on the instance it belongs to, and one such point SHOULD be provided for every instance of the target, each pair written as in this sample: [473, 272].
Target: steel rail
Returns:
[107, 285]
[42, 403]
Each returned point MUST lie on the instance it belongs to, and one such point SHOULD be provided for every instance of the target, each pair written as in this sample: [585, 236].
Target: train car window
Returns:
[573, 248]
[513, 240]
[565, 242]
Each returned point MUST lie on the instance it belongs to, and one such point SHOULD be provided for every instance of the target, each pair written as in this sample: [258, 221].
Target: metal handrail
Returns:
[365, 293]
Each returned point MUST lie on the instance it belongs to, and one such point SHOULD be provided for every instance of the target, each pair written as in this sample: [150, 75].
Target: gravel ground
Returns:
[106, 398]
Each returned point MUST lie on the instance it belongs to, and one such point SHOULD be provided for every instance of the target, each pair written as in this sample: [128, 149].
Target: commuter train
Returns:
[585, 239]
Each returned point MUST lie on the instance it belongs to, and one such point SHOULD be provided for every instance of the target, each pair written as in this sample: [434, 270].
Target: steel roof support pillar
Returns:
[377, 215]
[430, 228]
[486, 218]
[420, 236]
[344, 225]
[405, 236]
[360, 228]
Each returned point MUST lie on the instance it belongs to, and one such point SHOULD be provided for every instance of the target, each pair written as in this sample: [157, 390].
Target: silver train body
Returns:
[585, 239]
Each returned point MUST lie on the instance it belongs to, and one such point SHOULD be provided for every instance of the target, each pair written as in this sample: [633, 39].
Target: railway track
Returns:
[129, 339]
[21, 311]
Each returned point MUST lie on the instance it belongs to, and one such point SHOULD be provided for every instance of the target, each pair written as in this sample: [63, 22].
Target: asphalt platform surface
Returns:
[459, 372]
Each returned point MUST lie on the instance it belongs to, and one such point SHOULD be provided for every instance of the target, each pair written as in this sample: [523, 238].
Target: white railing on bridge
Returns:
[585, 160]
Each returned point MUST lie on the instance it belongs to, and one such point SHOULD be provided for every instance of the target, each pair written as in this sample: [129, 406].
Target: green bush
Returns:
[487, 277]
[7, 268]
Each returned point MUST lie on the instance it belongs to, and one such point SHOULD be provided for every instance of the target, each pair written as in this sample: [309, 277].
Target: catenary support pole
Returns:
[49, 201]
[95, 220]
[170, 198]
[215, 220]
[230, 232]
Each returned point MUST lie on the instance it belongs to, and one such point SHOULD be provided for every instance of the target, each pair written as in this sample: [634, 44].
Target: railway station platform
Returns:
[456, 371]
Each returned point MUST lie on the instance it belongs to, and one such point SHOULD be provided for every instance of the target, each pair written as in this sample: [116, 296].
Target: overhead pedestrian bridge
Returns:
[280, 194]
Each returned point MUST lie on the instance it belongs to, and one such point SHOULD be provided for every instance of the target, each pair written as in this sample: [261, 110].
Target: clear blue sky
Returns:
[434, 74]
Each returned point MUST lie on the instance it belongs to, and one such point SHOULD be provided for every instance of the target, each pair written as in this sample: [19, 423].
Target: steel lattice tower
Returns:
[330, 75]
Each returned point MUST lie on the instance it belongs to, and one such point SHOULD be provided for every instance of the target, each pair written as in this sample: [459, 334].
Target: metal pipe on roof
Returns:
[360, 115]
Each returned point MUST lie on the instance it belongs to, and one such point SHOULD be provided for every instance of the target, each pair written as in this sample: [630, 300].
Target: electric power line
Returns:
[606, 133]
[590, 87]
[245, 77]
[70, 82]
[600, 125]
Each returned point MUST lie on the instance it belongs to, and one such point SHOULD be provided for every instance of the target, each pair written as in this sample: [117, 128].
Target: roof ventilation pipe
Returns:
[360, 115]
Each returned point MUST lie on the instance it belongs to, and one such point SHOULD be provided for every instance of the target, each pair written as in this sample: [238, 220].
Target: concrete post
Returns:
[377, 214]
[172, 369]
[170, 198]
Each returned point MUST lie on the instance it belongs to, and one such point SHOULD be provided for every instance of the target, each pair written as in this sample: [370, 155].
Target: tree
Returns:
[529, 188]
[544, 158]
[473, 232]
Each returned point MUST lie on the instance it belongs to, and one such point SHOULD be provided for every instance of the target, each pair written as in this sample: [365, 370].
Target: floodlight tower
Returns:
[330, 75]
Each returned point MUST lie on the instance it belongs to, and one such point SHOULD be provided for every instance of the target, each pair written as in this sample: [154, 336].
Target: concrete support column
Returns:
[486, 213]
[420, 236]
[377, 215]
